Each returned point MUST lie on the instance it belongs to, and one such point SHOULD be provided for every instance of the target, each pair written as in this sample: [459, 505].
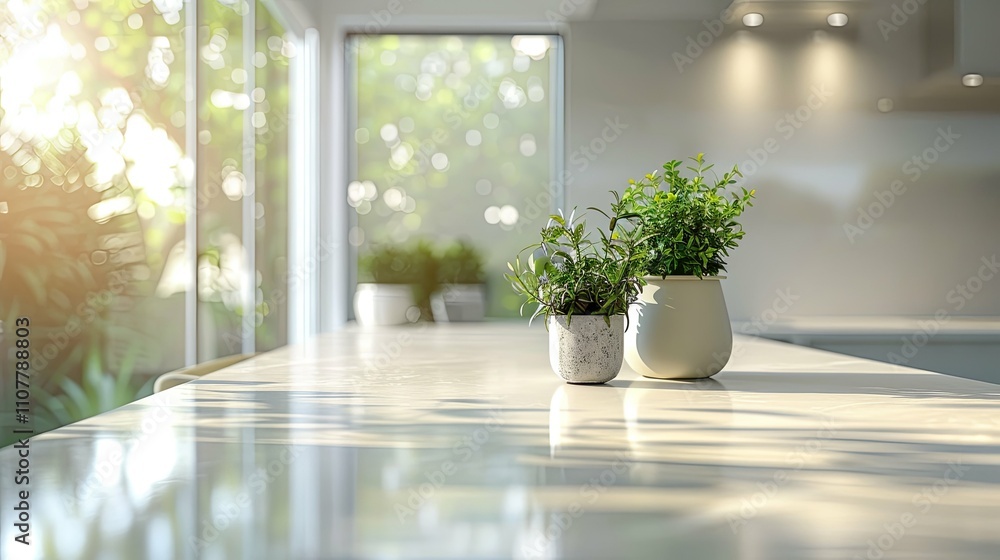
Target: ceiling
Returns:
[658, 9]
[541, 10]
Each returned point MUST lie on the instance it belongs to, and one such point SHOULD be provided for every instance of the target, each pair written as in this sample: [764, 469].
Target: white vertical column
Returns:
[297, 172]
[312, 187]
[188, 496]
[251, 538]
[557, 122]
[333, 249]
[307, 534]
[191, 149]
[303, 261]
[249, 329]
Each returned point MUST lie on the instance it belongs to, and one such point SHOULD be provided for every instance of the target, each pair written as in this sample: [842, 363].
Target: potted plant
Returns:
[424, 275]
[680, 327]
[461, 294]
[584, 289]
[385, 293]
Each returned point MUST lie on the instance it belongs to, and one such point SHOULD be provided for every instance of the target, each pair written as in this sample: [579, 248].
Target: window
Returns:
[455, 138]
[243, 166]
[127, 132]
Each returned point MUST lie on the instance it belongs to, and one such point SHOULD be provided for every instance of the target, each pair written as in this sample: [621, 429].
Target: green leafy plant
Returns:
[424, 275]
[460, 263]
[415, 264]
[577, 276]
[97, 391]
[690, 222]
[386, 264]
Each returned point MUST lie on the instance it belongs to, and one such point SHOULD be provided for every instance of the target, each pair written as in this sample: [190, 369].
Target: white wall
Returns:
[734, 97]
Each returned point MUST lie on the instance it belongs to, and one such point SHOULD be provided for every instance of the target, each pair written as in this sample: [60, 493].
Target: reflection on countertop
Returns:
[459, 442]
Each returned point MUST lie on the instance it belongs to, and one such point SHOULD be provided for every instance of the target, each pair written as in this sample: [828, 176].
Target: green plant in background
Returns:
[690, 222]
[93, 210]
[66, 272]
[95, 392]
[424, 266]
[578, 276]
[460, 263]
[386, 264]
[414, 264]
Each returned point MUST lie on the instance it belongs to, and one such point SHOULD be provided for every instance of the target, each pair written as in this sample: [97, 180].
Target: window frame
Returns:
[302, 285]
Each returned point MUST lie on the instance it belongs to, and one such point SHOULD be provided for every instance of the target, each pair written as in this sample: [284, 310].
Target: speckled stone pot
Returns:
[586, 350]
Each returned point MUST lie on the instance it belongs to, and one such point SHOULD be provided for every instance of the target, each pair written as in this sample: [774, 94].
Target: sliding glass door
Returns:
[144, 188]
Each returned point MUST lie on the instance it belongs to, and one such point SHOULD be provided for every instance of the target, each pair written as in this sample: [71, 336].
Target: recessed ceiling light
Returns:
[753, 19]
[837, 19]
[972, 80]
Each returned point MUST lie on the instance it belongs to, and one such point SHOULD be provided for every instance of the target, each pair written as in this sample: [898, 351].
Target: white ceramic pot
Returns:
[384, 304]
[459, 302]
[586, 349]
[679, 328]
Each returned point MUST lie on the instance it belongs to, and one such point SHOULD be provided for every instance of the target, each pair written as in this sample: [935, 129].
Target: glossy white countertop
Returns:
[459, 442]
